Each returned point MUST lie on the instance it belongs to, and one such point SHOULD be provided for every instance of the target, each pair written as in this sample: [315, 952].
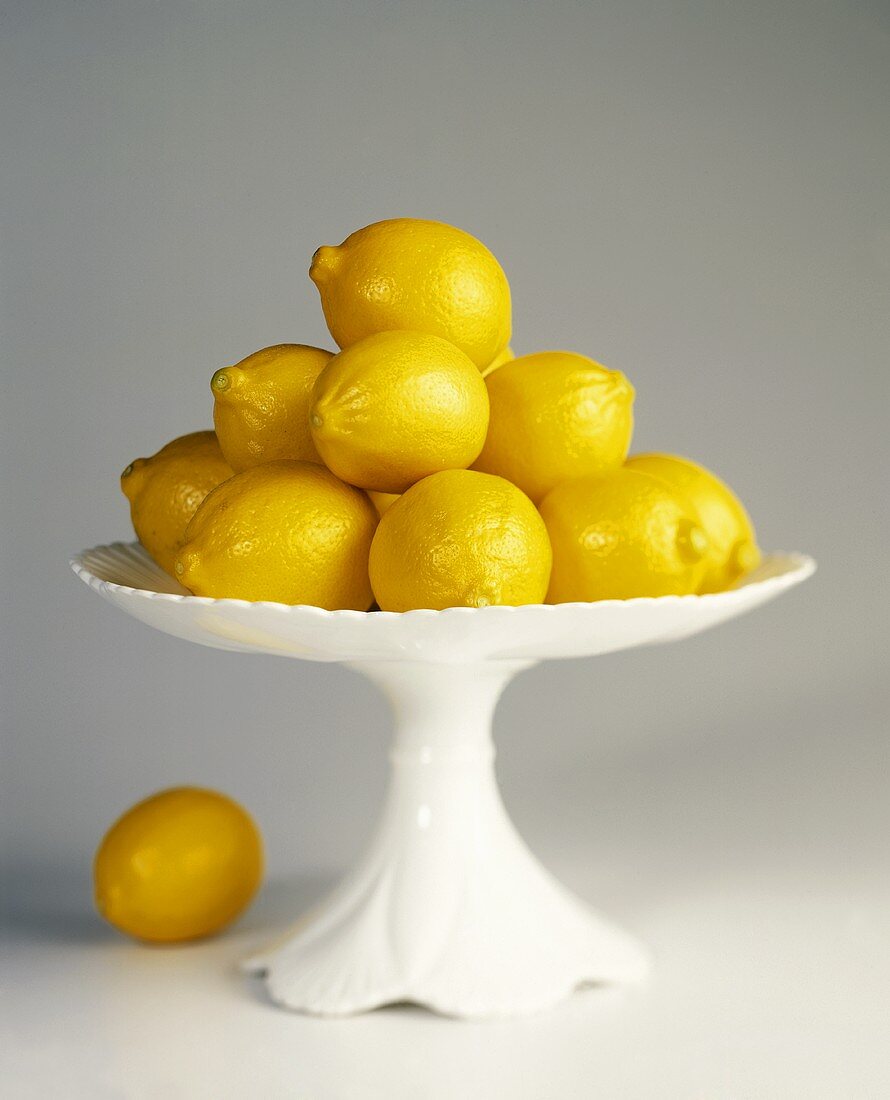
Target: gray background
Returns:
[693, 192]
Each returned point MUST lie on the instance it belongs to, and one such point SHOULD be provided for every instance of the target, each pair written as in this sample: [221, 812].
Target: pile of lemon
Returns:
[424, 465]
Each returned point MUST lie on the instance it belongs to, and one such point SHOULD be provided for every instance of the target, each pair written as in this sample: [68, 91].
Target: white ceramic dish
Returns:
[448, 908]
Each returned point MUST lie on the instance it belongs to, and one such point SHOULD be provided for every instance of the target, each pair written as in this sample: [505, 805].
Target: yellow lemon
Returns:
[165, 490]
[289, 532]
[555, 415]
[382, 501]
[261, 405]
[622, 534]
[732, 544]
[460, 539]
[417, 275]
[398, 406]
[181, 864]
[506, 356]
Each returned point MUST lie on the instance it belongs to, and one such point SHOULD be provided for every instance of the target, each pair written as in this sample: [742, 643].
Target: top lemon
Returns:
[732, 544]
[261, 405]
[555, 415]
[422, 276]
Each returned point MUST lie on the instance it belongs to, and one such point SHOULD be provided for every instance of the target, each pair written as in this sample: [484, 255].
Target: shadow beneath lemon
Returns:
[49, 903]
[45, 903]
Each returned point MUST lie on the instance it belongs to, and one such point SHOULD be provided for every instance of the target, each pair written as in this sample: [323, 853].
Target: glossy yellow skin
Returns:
[289, 532]
[261, 405]
[182, 864]
[460, 539]
[622, 534]
[396, 407]
[732, 544]
[421, 276]
[382, 501]
[555, 415]
[165, 490]
[506, 356]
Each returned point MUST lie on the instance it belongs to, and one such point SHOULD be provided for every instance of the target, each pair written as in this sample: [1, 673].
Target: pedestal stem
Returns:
[447, 705]
[448, 908]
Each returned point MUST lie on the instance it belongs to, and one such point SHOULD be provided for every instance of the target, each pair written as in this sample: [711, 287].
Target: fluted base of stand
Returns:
[448, 909]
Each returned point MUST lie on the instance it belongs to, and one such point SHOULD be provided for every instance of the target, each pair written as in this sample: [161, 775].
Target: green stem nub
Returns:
[220, 381]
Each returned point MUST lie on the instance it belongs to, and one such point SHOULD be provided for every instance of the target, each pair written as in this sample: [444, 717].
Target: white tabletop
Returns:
[766, 902]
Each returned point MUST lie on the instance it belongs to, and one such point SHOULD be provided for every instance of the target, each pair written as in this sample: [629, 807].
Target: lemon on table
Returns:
[165, 490]
[460, 539]
[261, 405]
[423, 276]
[289, 532]
[732, 544]
[555, 415]
[506, 356]
[182, 864]
[622, 534]
[396, 407]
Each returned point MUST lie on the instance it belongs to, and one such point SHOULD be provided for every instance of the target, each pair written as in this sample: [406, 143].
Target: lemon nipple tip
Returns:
[746, 556]
[323, 263]
[692, 540]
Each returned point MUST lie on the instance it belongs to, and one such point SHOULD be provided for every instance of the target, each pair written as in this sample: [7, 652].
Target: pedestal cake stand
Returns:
[448, 908]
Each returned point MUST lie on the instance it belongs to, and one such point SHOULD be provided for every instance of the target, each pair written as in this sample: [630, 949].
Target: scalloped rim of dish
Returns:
[802, 566]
